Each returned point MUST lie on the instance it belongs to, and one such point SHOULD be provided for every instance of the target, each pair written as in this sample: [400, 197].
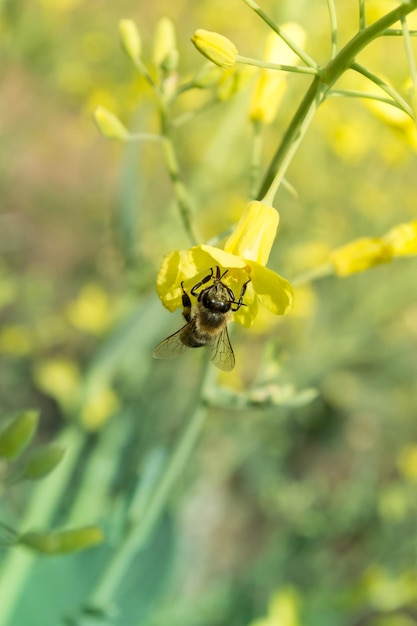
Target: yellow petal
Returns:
[359, 255]
[272, 290]
[402, 239]
[255, 233]
[246, 314]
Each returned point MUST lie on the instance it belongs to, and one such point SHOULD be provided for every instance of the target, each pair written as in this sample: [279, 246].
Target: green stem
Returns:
[174, 172]
[385, 87]
[316, 94]
[355, 93]
[409, 52]
[281, 33]
[137, 536]
[295, 69]
[362, 15]
[333, 27]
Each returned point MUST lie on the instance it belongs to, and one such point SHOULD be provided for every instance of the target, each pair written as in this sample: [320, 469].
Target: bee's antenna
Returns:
[224, 273]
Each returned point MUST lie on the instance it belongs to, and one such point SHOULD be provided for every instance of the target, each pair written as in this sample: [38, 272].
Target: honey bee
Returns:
[206, 321]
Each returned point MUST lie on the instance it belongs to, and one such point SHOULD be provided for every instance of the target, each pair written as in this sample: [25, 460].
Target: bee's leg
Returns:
[186, 304]
[202, 282]
[240, 302]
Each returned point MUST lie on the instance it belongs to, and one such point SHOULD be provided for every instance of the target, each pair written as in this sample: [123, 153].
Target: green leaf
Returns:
[18, 434]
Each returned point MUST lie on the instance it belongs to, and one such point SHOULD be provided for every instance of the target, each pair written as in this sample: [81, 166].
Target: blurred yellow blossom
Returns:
[15, 340]
[361, 254]
[271, 84]
[283, 610]
[407, 462]
[98, 407]
[60, 379]
[244, 255]
[91, 310]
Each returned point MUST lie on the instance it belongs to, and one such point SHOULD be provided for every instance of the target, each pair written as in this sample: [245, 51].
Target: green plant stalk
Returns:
[409, 52]
[334, 28]
[45, 500]
[316, 94]
[281, 33]
[174, 172]
[138, 534]
[385, 87]
[295, 69]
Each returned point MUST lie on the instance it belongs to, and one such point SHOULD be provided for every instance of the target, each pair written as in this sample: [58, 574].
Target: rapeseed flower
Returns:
[244, 254]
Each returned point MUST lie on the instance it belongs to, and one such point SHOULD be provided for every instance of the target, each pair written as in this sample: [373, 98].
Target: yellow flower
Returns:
[217, 48]
[244, 255]
[361, 254]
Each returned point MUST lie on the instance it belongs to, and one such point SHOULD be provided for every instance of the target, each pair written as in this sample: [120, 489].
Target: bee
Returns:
[206, 321]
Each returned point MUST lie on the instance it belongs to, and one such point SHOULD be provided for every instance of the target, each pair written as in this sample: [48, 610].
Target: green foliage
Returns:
[284, 491]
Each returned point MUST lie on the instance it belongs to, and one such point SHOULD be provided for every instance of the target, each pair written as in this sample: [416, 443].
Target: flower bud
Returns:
[18, 434]
[61, 542]
[217, 48]
[165, 54]
[109, 125]
[130, 39]
[42, 461]
[254, 233]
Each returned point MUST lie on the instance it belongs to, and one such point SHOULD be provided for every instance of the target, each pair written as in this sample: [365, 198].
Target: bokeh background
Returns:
[300, 513]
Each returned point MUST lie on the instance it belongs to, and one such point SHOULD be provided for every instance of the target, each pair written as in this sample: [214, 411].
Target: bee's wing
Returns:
[221, 351]
[171, 346]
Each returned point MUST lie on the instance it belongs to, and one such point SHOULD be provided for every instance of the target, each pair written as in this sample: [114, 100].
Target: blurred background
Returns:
[297, 512]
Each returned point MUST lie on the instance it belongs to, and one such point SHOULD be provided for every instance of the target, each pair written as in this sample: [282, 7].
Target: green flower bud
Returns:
[18, 434]
[130, 39]
[61, 542]
[109, 125]
[42, 461]
[217, 48]
[165, 53]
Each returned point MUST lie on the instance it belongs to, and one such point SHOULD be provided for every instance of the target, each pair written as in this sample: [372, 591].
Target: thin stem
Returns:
[409, 52]
[174, 172]
[296, 69]
[397, 32]
[281, 33]
[137, 536]
[143, 137]
[362, 15]
[385, 87]
[322, 271]
[334, 28]
[356, 93]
